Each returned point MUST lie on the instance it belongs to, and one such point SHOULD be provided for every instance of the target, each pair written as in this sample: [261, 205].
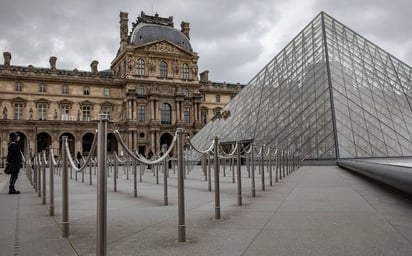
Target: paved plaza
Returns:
[313, 211]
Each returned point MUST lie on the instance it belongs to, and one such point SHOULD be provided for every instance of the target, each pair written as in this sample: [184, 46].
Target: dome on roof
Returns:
[146, 33]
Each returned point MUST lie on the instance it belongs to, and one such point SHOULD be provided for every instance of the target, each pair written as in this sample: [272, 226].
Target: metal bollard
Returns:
[116, 166]
[156, 166]
[224, 167]
[270, 167]
[42, 156]
[135, 179]
[51, 182]
[262, 166]
[35, 173]
[65, 190]
[248, 165]
[90, 173]
[232, 166]
[209, 182]
[165, 171]
[140, 170]
[204, 166]
[217, 189]
[239, 178]
[101, 236]
[180, 187]
[38, 175]
[253, 170]
[277, 165]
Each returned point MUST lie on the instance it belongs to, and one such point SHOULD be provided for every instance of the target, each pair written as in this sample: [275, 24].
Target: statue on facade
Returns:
[4, 113]
[55, 114]
[31, 114]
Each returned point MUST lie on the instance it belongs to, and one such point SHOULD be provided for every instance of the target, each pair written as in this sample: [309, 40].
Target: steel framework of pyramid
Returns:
[330, 94]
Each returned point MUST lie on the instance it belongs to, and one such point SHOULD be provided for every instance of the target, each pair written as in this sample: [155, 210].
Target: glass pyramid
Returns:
[330, 93]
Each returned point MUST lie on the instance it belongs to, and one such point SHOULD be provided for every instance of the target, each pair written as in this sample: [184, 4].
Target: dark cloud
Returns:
[234, 38]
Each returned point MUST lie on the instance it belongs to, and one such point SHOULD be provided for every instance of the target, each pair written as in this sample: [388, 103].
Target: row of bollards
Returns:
[282, 162]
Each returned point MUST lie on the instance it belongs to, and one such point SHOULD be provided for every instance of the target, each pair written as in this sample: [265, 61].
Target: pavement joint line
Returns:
[271, 216]
[16, 248]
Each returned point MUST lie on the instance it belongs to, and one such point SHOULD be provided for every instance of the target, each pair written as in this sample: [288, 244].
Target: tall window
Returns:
[65, 89]
[186, 114]
[165, 114]
[86, 90]
[19, 86]
[203, 116]
[217, 98]
[140, 67]
[185, 71]
[140, 90]
[18, 111]
[186, 92]
[43, 88]
[65, 110]
[163, 69]
[86, 113]
[42, 111]
[106, 91]
[141, 113]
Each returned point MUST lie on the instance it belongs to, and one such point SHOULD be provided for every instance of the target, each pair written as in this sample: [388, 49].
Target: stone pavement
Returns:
[314, 211]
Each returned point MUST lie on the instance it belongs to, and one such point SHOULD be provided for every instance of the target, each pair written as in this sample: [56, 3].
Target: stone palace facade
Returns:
[152, 88]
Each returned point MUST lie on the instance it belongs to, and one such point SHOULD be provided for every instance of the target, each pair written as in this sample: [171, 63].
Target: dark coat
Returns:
[14, 158]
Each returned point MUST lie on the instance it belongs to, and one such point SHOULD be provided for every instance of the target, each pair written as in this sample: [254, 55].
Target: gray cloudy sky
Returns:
[234, 38]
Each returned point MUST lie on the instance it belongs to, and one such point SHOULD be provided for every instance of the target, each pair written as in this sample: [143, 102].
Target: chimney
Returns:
[52, 62]
[124, 29]
[93, 66]
[7, 58]
[204, 76]
[185, 29]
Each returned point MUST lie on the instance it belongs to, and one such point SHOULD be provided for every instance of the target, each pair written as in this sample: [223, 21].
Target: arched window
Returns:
[140, 67]
[163, 69]
[185, 71]
[165, 114]
[86, 90]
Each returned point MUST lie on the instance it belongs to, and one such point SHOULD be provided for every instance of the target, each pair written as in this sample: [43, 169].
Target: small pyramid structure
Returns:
[330, 94]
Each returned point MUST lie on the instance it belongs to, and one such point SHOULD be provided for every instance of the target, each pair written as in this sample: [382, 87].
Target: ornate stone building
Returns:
[151, 89]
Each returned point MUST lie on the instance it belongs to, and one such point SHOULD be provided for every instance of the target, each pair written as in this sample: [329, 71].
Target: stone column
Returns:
[129, 109]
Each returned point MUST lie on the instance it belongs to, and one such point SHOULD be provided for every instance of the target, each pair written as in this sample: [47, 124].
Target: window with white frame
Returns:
[106, 91]
[165, 114]
[186, 114]
[140, 67]
[140, 90]
[43, 88]
[18, 111]
[185, 71]
[186, 92]
[86, 110]
[19, 86]
[163, 69]
[141, 113]
[65, 89]
[217, 98]
[65, 111]
[42, 111]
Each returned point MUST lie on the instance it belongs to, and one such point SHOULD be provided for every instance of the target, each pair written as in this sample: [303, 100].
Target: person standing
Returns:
[14, 160]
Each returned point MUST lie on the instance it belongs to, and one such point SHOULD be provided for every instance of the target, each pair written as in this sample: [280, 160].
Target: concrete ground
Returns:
[314, 211]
